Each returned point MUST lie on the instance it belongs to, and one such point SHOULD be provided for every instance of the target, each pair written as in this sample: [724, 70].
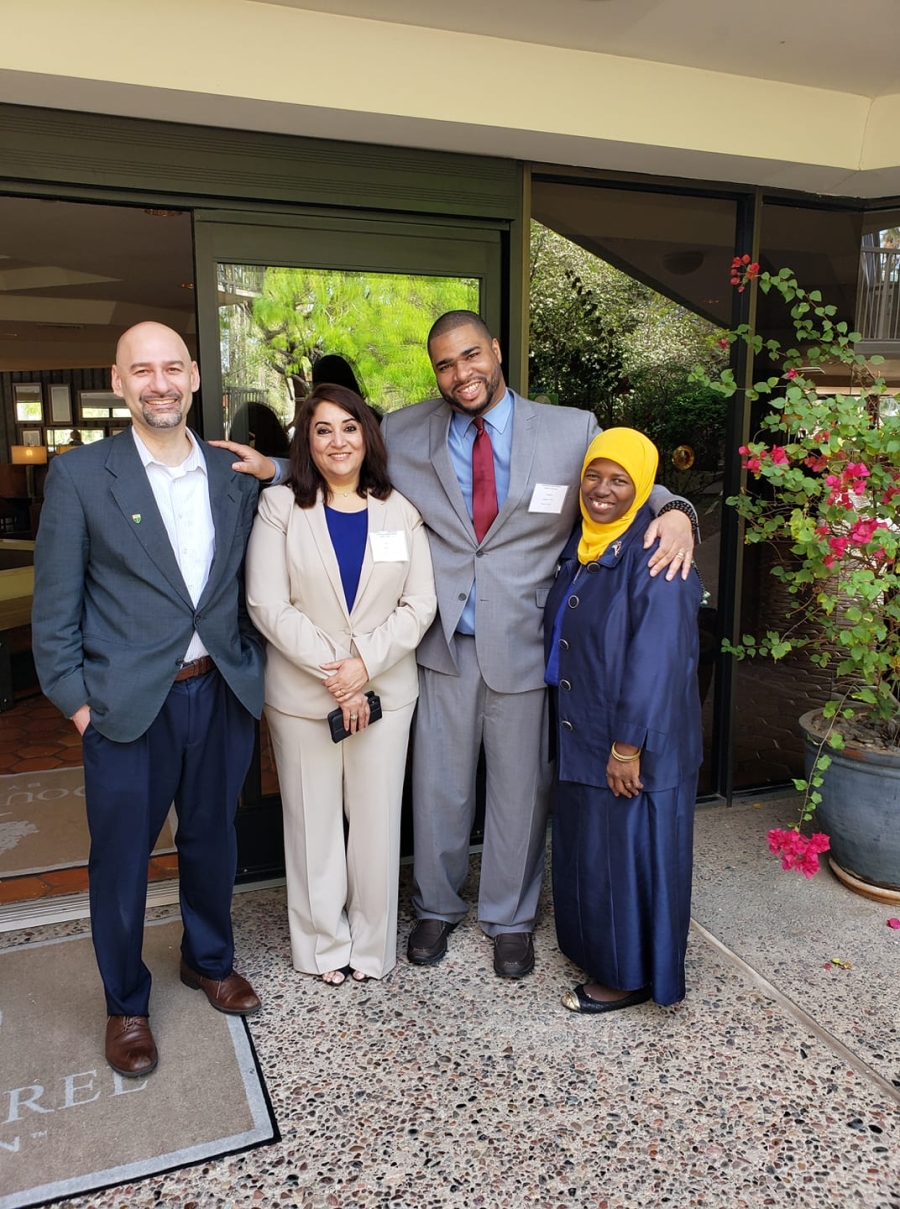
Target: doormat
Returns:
[43, 824]
[68, 1123]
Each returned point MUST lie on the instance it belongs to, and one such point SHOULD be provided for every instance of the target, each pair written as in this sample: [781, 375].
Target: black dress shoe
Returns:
[428, 941]
[513, 954]
[130, 1048]
[579, 1000]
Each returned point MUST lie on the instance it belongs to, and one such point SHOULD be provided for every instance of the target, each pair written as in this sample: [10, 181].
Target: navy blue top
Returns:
[625, 663]
[348, 532]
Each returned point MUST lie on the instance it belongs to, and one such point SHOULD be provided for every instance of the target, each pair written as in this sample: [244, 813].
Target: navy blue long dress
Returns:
[623, 648]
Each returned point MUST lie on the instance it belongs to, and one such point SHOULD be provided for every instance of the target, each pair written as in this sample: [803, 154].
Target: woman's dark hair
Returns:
[305, 479]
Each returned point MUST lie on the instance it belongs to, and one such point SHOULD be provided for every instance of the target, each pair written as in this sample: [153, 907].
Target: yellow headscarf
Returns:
[636, 454]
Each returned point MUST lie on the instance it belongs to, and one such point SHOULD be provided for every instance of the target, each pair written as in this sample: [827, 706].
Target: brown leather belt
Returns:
[197, 667]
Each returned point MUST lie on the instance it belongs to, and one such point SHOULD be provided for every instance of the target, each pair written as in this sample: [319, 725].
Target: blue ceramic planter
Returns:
[860, 809]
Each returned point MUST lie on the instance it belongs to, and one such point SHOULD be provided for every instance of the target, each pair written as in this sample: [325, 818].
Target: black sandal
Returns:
[346, 971]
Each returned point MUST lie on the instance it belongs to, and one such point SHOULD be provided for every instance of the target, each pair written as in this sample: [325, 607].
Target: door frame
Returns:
[351, 242]
[372, 244]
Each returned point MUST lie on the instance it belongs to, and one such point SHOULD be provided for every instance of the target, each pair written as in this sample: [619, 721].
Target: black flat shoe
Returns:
[580, 1001]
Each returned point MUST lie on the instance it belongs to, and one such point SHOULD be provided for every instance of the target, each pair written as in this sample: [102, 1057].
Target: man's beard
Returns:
[163, 419]
[491, 386]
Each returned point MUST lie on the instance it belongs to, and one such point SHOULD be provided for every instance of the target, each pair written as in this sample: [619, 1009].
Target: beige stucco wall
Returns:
[266, 66]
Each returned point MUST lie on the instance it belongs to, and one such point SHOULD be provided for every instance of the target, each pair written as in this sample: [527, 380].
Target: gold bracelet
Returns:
[624, 759]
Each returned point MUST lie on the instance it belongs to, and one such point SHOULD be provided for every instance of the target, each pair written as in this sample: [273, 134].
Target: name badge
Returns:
[548, 497]
[389, 546]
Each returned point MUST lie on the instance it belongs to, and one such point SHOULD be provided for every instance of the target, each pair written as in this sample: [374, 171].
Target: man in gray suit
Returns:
[482, 663]
[141, 637]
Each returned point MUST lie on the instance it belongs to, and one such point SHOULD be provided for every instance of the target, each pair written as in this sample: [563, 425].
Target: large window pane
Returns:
[275, 323]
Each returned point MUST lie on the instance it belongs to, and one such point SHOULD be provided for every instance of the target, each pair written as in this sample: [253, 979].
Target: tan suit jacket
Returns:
[296, 599]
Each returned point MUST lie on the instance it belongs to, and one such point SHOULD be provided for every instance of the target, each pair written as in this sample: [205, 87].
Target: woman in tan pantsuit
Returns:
[339, 581]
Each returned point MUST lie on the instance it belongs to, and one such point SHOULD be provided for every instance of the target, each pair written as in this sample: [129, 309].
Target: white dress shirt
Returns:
[182, 496]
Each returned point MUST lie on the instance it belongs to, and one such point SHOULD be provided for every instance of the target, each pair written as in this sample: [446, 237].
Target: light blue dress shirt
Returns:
[460, 440]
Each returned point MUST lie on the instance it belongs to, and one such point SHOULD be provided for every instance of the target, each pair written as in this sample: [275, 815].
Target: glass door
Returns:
[273, 300]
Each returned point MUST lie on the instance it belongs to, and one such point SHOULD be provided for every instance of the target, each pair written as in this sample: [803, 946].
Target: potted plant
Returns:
[826, 488]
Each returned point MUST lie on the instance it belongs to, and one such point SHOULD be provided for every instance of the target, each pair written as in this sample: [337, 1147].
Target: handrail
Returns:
[878, 294]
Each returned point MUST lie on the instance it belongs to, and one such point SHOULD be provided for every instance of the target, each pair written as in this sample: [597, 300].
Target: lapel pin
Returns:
[136, 517]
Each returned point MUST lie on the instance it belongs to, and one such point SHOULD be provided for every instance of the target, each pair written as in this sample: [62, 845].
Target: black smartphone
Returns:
[336, 718]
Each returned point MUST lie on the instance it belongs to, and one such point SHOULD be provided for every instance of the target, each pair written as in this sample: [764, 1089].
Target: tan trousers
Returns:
[342, 902]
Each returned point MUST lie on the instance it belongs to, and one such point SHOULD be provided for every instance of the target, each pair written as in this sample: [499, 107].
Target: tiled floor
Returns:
[34, 736]
[56, 882]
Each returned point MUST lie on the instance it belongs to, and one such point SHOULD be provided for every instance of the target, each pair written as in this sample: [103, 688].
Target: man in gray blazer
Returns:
[481, 663]
[142, 638]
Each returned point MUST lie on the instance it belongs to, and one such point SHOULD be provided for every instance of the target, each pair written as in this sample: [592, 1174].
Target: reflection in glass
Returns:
[619, 321]
[275, 323]
[29, 402]
[823, 246]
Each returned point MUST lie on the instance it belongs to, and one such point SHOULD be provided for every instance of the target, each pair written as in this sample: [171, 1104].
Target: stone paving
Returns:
[776, 1081]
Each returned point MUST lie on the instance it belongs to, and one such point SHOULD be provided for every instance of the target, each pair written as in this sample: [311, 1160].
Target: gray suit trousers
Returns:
[455, 715]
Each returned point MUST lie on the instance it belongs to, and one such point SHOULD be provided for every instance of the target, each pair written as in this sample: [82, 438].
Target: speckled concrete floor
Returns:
[446, 1086]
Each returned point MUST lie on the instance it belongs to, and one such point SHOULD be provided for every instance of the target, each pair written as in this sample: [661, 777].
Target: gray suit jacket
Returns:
[514, 565]
[112, 616]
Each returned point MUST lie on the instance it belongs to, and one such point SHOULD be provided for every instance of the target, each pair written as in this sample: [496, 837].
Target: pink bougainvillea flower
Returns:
[862, 532]
[800, 852]
[723, 343]
[893, 923]
[815, 462]
[779, 457]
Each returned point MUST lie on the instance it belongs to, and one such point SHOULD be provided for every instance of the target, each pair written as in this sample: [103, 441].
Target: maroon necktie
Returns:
[484, 485]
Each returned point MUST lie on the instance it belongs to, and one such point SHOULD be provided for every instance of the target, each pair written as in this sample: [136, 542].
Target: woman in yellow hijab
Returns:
[622, 651]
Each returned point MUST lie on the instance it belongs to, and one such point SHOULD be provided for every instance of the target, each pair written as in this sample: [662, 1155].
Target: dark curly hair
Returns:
[305, 479]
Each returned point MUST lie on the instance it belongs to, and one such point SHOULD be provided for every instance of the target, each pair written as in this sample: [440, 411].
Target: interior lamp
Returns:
[28, 455]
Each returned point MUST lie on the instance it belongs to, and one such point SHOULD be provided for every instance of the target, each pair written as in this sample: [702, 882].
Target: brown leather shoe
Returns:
[428, 941]
[513, 954]
[130, 1048]
[233, 995]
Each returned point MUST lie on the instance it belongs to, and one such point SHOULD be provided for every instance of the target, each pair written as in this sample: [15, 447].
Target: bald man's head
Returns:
[155, 376]
[138, 336]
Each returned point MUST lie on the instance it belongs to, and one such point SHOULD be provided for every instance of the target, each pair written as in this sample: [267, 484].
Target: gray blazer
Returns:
[112, 616]
[514, 566]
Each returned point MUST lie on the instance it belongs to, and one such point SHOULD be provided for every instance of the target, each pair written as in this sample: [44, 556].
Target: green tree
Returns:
[377, 321]
[602, 341]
